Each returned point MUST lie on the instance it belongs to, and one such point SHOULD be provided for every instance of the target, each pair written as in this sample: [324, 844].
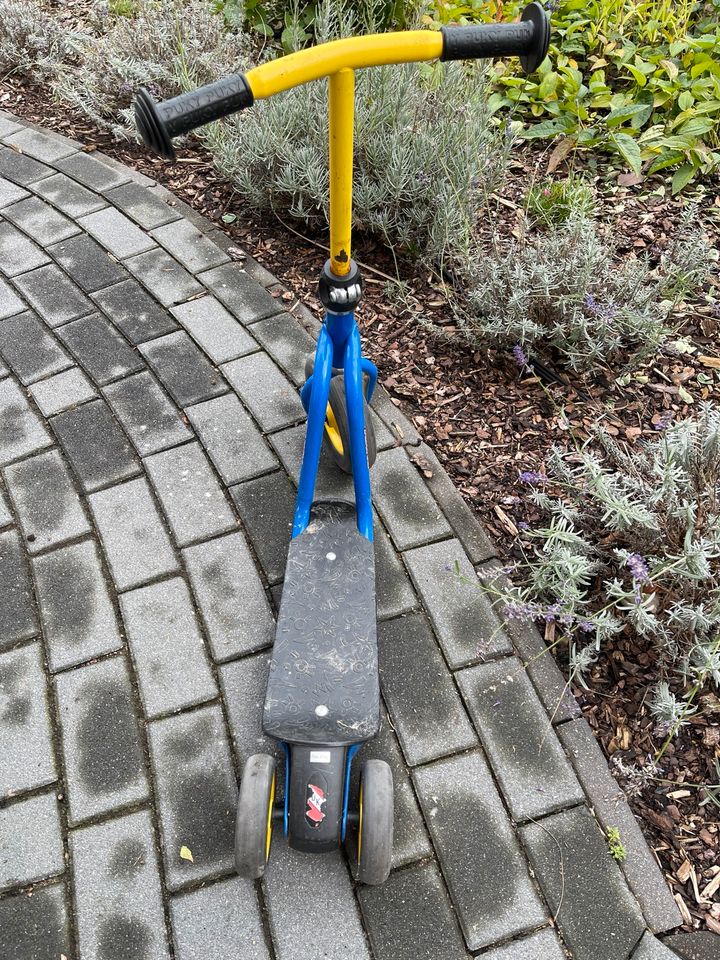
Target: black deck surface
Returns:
[323, 685]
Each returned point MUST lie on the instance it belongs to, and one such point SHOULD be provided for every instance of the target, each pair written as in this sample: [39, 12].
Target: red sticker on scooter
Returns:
[316, 800]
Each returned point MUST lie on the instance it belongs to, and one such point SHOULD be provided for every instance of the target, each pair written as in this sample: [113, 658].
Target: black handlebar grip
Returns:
[158, 123]
[528, 39]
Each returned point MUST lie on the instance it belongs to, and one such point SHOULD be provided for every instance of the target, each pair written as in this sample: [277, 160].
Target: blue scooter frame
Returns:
[339, 347]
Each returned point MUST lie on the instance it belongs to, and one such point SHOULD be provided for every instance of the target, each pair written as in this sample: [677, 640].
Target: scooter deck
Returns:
[323, 686]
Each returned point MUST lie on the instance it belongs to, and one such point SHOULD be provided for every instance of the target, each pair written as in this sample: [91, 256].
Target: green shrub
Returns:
[167, 45]
[426, 155]
[563, 290]
[555, 201]
[631, 541]
[294, 20]
[640, 80]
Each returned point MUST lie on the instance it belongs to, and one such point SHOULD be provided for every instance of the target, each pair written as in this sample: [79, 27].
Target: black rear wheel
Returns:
[337, 427]
[375, 822]
[253, 827]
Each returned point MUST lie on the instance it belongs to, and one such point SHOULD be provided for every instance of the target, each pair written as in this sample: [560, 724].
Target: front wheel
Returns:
[337, 427]
[375, 823]
[253, 827]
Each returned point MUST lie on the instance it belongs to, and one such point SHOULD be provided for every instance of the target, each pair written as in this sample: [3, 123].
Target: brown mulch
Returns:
[487, 420]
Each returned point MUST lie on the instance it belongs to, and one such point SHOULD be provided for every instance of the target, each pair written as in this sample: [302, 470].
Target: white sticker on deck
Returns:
[319, 756]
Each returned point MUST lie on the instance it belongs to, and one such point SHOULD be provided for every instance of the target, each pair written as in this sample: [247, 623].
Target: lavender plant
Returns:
[32, 42]
[167, 45]
[564, 289]
[632, 542]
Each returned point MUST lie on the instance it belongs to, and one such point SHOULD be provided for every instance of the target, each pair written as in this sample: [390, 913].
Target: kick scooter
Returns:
[323, 697]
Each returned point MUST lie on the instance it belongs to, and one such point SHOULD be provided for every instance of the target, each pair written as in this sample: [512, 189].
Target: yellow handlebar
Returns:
[351, 53]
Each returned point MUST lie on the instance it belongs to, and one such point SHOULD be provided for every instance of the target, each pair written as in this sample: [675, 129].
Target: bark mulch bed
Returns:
[486, 421]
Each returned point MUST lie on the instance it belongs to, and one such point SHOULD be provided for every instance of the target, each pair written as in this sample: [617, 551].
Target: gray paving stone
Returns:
[100, 349]
[410, 917]
[9, 303]
[479, 853]
[27, 759]
[184, 370]
[136, 545]
[32, 847]
[311, 906]
[92, 172]
[192, 499]
[8, 125]
[526, 757]
[463, 520]
[330, 483]
[62, 391]
[650, 948]
[116, 233]
[210, 923]
[427, 712]
[147, 414]
[17, 253]
[87, 263]
[170, 660]
[142, 205]
[188, 245]
[411, 841]
[101, 739]
[21, 169]
[53, 295]
[134, 312]
[118, 892]
[404, 502]
[287, 343]
[17, 616]
[231, 439]
[230, 596]
[266, 506]
[196, 794]
[39, 145]
[6, 517]
[69, 196]
[40, 221]
[36, 927]
[46, 504]
[395, 594]
[78, 617]
[399, 427]
[10, 192]
[214, 329]
[699, 945]
[243, 684]
[269, 396]
[166, 280]
[543, 945]
[242, 295]
[462, 615]
[611, 808]
[21, 431]
[597, 915]
[29, 349]
[95, 445]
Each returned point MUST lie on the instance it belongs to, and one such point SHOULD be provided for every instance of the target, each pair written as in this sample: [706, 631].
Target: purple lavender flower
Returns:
[524, 525]
[664, 421]
[638, 568]
[520, 357]
[586, 626]
[605, 312]
[532, 477]
[551, 612]
[515, 610]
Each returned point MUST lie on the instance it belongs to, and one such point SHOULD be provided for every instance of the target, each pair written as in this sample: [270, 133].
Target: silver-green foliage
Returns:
[564, 288]
[32, 41]
[167, 45]
[426, 155]
[632, 541]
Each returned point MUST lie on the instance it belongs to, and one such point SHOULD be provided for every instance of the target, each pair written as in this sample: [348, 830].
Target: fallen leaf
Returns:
[630, 179]
[559, 153]
[684, 395]
[713, 362]
[186, 854]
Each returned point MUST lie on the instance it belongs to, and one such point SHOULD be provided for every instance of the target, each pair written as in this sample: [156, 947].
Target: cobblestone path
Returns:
[150, 437]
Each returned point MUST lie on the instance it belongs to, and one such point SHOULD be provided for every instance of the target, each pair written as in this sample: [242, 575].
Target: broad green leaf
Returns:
[622, 114]
[668, 158]
[696, 127]
[629, 149]
[549, 85]
[685, 100]
[638, 75]
[682, 178]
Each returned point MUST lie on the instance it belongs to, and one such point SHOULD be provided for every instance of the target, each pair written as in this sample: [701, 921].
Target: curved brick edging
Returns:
[150, 437]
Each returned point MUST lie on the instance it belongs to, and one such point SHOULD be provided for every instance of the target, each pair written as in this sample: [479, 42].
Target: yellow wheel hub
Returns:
[269, 819]
[332, 430]
[360, 804]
